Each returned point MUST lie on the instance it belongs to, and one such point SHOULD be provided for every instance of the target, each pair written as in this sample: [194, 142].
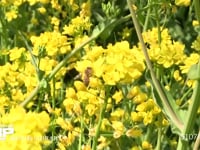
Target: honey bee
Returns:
[87, 75]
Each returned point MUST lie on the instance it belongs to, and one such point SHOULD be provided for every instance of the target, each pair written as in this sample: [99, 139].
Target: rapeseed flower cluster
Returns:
[165, 52]
[83, 104]
[17, 76]
[13, 5]
[189, 61]
[146, 110]
[29, 129]
[116, 64]
[80, 23]
[77, 26]
[51, 43]
[100, 97]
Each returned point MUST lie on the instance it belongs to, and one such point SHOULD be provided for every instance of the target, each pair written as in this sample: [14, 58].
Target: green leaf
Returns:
[193, 72]
[179, 112]
[111, 25]
[106, 28]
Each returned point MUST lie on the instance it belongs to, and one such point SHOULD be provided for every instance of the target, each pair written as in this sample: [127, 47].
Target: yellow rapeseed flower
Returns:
[195, 23]
[148, 118]
[118, 96]
[67, 140]
[91, 109]
[55, 22]
[137, 116]
[134, 132]
[73, 4]
[70, 93]
[79, 86]
[17, 95]
[117, 114]
[103, 142]
[189, 61]
[61, 146]
[85, 9]
[47, 68]
[139, 98]
[133, 92]
[182, 2]
[16, 53]
[10, 15]
[146, 145]
[55, 4]
[42, 10]
[86, 147]
[95, 82]
[77, 26]
[177, 75]
[64, 124]
[105, 124]
[196, 44]
[165, 122]
[32, 2]
[118, 128]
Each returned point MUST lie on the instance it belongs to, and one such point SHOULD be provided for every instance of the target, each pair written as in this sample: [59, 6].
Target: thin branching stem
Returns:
[156, 83]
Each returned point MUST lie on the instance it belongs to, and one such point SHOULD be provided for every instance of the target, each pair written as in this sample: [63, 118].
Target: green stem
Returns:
[185, 95]
[191, 114]
[157, 15]
[197, 142]
[31, 96]
[103, 109]
[158, 145]
[4, 38]
[197, 9]
[39, 102]
[148, 133]
[156, 83]
[62, 93]
[33, 59]
[81, 135]
[53, 127]
[158, 26]
[54, 93]
[64, 61]
[147, 18]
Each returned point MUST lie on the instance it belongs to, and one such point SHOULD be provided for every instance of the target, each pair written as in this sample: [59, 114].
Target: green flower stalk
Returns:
[197, 9]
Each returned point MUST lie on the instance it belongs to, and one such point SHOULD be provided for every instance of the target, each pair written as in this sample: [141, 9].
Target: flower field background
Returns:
[99, 74]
